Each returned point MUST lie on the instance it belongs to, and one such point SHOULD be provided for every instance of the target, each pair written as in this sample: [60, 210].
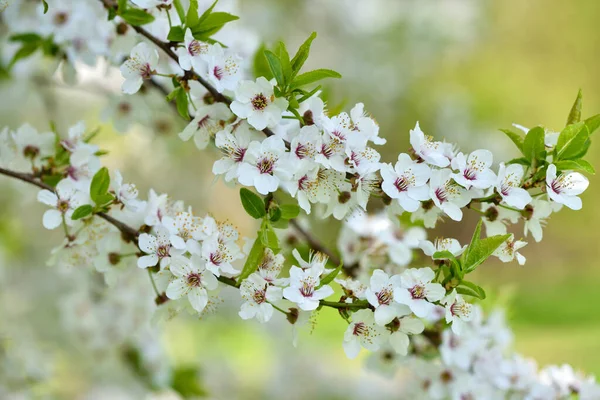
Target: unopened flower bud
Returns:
[114, 258]
[292, 315]
[122, 28]
[308, 118]
[344, 197]
[427, 205]
[527, 212]
[491, 214]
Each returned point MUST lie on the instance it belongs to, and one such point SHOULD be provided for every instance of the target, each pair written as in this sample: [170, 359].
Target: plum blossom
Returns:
[442, 244]
[406, 182]
[418, 292]
[140, 65]
[258, 296]
[380, 295]
[33, 146]
[157, 248]
[447, 195]
[64, 201]
[193, 54]
[224, 72]
[538, 212]
[193, 280]
[509, 186]
[233, 145]
[431, 152]
[264, 165]
[474, 170]
[304, 288]
[509, 250]
[219, 256]
[209, 120]
[256, 102]
[565, 188]
[362, 332]
[183, 231]
[457, 311]
[401, 328]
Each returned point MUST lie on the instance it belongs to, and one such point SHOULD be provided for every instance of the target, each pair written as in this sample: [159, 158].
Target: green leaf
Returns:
[286, 66]
[443, 255]
[289, 211]
[575, 165]
[121, 6]
[180, 10]
[470, 289]
[207, 12]
[176, 34]
[82, 212]
[186, 382]
[331, 276]
[213, 21]
[181, 101]
[260, 66]
[275, 67]
[252, 203]
[26, 38]
[45, 3]
[482, 250]
[254, 258]
[314, 76]
[302, 54]
[99, 186]
[593, 123]
[274, 214]
[269, 237]
[517, 138]
[281, 224]
[137, 17]
[521, 160]
[25, 51]
[52, 180]
[571, 140]
[575, 113]
[192, 19]
[533, 145]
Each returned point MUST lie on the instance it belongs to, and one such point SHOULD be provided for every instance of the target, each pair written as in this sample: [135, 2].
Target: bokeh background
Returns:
[463, 68]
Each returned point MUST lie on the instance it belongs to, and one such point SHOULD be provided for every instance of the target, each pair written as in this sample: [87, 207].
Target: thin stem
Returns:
[334, 304]
[66, 228]
[510, 208]
[153, 283]
[169, 18]
[278, 309]
[314, 243]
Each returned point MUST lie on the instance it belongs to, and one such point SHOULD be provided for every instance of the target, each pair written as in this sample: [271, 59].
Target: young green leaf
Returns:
[260, 66]
[517, 138]
[474, 240]
[252, 203]
[254, 258]
[25, 51]
[302, 54]
[575, 165]
[593, 123]
[331, 276]
[207, 12]
[269, 237]
[136, 17]
[45, 3]
[26, 38]
[180, 10]
[284, 58]
[275, 66]
[575, 113]
[443, 255]
[121, 6]
[82, 212]
[99, 186]
[176, 34]
[533, 145]
[470, 289]
[571, 140]
[192, 17]
[314, 76]
[520, 160]
[213, 21]
[274, 214]
[482, 250]
[289, 211]
[181, 101]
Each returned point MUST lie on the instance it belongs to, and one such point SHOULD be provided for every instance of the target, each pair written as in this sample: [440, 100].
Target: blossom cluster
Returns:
[276, 137]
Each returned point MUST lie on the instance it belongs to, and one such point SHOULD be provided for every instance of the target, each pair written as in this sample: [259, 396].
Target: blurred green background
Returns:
[461, 68]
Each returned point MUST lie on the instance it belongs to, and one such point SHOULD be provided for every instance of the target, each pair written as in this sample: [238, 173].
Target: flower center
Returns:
[417, 292]
[31, 151]
[62, 206]
[460, 309]
[401, 183]
[259, 296]
[360, 329]
[385, 296]
[259, 102]
[307, 289]
[162, 251]
[194, 279]
[470, 174]
[218, 73]
[266, 165]
[203, 122]
[196, 48]
[441, 194]
[61, 18]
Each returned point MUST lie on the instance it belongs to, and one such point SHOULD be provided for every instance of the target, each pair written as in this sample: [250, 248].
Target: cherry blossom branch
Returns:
[166, 48]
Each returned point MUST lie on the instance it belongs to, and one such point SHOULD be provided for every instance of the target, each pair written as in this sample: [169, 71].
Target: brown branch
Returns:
[314, 243]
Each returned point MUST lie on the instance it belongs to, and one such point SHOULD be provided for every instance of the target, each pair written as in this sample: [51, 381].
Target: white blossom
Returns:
[565, 187]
